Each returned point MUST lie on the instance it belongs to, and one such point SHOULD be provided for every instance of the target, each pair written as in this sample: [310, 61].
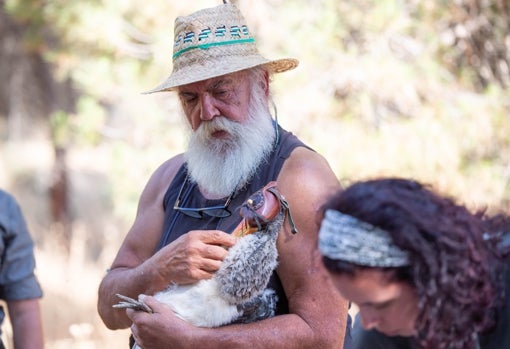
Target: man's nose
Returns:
[208, 109]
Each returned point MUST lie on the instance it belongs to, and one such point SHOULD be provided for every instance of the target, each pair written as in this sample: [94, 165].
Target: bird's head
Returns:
[261, 208]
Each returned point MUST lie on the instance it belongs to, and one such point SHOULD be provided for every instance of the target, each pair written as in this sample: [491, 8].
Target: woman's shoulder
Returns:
[376, 340]
[365, 339]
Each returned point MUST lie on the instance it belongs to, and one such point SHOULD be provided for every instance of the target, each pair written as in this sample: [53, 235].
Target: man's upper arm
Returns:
[137, 247]
[306, 181]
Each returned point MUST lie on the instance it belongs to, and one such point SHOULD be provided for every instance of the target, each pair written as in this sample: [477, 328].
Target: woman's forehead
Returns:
[368, 285]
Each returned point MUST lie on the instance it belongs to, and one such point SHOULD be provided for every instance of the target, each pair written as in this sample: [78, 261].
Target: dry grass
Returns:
[69, 281]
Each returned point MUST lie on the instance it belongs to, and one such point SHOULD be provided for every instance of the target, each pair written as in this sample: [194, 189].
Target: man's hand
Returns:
[192, 257]
[160, 329]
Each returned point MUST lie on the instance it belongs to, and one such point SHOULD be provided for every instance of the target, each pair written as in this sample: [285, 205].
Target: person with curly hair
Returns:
[424, 271]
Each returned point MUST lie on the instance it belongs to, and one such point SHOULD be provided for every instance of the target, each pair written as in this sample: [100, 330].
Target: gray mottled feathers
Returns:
[246, 270]
[237, 291]
[258, 308]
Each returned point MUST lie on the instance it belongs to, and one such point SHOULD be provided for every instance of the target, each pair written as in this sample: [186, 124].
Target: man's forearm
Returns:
[284, 331]
[128, 282]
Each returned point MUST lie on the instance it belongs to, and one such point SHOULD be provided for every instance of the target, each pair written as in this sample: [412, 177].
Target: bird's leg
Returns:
[128, 302]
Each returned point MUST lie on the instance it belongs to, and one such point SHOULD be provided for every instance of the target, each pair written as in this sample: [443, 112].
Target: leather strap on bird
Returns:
[261, 208]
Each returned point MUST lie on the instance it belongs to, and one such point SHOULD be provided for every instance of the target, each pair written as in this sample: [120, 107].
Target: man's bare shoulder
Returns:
[170, 167]
[165, 173]
[309, 171]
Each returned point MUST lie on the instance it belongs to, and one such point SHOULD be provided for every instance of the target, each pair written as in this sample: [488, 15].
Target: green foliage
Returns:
[387, 84]
[89, 121]
[59, 122]
[474, 39]
[386, 102]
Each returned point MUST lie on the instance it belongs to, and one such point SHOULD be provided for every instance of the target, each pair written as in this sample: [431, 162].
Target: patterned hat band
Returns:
[214, 42]
[346, 238]
[219, 36]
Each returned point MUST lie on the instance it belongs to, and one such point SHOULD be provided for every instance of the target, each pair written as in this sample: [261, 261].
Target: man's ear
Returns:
[264, 83]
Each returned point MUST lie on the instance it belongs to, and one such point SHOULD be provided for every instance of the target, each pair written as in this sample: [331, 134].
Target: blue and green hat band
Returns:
[212, 44]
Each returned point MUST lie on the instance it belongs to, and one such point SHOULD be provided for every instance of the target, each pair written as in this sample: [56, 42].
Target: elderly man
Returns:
[187, 209]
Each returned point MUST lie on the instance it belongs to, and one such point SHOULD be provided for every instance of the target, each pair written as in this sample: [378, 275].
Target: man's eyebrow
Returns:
[214, 85]
[185, 93]
[221, 82]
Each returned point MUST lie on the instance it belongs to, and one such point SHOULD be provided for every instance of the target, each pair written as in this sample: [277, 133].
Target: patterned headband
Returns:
[343, 237]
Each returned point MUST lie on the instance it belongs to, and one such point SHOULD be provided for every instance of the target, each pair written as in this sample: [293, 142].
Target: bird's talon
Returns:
[128, 302]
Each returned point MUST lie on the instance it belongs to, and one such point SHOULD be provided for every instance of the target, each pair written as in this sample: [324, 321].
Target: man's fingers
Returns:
[214, 252]
[219, 238]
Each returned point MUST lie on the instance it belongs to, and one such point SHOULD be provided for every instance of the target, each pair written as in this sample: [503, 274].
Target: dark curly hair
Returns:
[456, 276]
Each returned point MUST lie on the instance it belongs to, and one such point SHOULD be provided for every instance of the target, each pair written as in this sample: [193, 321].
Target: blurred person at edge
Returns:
[235, 148]
[425, 271]
[19, 286]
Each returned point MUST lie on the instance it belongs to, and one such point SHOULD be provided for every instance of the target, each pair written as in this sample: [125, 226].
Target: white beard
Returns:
[219, 166]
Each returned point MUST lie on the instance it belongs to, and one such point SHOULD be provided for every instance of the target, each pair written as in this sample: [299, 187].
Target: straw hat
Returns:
[214, 42]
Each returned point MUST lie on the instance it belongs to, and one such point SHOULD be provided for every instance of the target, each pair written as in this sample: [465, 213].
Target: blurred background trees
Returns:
[384, 87]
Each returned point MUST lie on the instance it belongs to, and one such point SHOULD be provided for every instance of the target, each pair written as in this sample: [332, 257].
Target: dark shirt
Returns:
[498, 338]
[17, 264]
[177, 224]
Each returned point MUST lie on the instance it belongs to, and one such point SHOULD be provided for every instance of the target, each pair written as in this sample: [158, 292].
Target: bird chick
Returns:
[243, 276]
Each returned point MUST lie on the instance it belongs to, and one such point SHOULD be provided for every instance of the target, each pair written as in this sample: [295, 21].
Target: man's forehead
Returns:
[213, 82]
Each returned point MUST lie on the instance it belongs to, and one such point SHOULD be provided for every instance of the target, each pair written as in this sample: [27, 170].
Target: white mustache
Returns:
[219, 123]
